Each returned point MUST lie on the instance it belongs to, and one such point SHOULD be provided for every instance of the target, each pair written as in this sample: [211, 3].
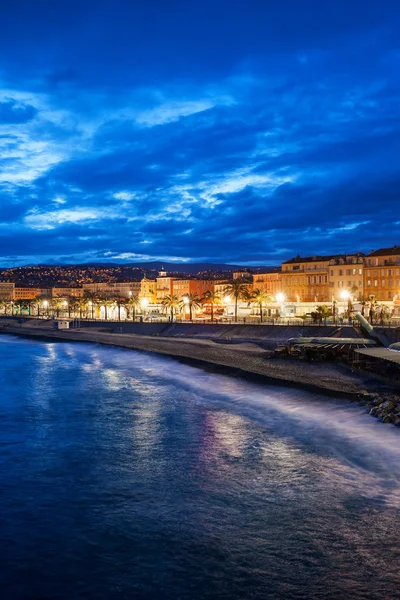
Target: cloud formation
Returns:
[165, 135]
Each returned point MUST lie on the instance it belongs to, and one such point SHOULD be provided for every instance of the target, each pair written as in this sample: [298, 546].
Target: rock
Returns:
[387, 419]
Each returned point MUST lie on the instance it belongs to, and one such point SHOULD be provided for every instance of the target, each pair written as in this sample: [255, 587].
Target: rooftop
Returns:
[307, 259]
[395, 250]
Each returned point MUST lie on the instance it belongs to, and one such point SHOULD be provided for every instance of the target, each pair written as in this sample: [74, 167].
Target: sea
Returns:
[126, 475]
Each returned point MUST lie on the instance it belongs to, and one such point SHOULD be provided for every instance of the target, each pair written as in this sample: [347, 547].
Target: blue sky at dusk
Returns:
[241, 131]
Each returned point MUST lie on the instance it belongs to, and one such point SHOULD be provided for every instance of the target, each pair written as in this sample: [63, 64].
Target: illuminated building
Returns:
[124, 289]
[183, 287]
[148, 290]
[346, 273]
[269, 282]
[382, 275]
[164, 286]
[22, 293]
[7, 291]
[306, 279]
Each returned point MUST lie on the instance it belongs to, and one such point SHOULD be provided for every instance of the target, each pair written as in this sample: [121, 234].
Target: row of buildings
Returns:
[297, 283]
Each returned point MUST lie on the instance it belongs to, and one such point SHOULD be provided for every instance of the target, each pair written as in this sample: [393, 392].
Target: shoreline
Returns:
[245, 360]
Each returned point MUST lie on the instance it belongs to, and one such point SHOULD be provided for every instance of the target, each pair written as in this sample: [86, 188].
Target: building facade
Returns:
[148, 291]
[124, 289]
[23, 293]
[306, 279]
[164, 286]
[382, 275]
[7, 291]
[346, 276]
[271, 282]
[183, 287]
[67, 292]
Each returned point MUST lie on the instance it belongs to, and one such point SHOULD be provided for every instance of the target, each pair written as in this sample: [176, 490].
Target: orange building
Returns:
[382, 275]
[269, 282]
[182, 287]
[164, 286]
[148, 290]
[346, 274]
[306, 279]
[22, 293]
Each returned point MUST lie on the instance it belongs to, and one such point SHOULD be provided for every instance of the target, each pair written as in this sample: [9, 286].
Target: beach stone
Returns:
[387, 419]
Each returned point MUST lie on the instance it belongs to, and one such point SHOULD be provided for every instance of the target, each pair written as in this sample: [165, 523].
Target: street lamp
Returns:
[280, 297]
[345, 295]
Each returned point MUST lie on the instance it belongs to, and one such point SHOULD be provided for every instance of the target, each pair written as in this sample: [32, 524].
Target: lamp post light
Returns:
[227, 300]
[280, 297]
[185, 300]
[144, 304]
[346, 296]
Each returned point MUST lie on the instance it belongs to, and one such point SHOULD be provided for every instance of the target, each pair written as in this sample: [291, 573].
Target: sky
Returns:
[243, 132]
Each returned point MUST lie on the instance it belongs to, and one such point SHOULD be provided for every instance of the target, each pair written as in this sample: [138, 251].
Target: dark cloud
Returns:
[189, 130]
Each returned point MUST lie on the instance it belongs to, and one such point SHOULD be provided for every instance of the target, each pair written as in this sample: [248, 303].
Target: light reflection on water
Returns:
[128, 475]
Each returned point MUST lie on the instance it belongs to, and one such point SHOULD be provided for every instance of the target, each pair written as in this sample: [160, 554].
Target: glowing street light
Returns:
[185, 300]
[144, 302]
[280, 297]
[227, 299]
[346, 296]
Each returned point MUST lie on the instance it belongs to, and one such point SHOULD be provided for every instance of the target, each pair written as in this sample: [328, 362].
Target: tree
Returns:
[119, 303]
[132, 304]
[260, 297]
[21, 304]
[239, 291]
[107, 303]
[92, 299]
[79, 305]
[57, 305]
[5, 304]
[321, 313]
[171, 302]
[212, 298]
[192, 301]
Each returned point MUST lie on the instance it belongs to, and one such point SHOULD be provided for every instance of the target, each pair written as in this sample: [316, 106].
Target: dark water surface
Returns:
[129, 476]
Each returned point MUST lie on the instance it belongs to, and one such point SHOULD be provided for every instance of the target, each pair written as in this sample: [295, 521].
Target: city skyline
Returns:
[135, 132]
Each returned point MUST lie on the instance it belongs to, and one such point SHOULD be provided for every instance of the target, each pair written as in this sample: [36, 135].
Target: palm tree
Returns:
[260, 297]
[212, 298]
[107, 303]
[132, 304]
[4, 304]
[34, 306]
[321, 313]
[57, 305]
[120, 302]
[191, 300]
[79, 305]
[92, 299]
[238, 290]
[20, 304]
[171, 302]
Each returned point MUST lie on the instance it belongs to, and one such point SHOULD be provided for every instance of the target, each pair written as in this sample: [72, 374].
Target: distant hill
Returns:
[191, 267]
[43, 276]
